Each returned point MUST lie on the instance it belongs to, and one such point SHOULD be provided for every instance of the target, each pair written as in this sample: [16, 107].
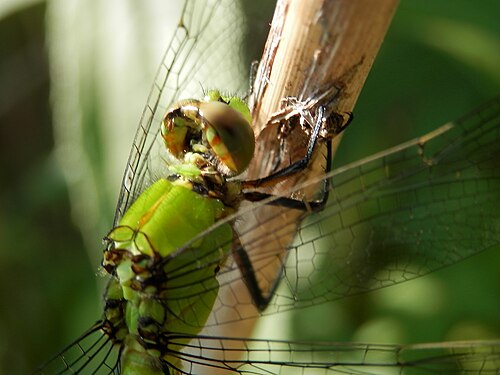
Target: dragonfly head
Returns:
[216, 130]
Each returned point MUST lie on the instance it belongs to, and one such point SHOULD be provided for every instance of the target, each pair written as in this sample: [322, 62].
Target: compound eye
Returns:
[229, 134]
[175, 126]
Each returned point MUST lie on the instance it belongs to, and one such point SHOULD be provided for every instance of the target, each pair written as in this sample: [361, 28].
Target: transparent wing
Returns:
[91, 353]
[240, 356]
[397, 215]
[201, 55]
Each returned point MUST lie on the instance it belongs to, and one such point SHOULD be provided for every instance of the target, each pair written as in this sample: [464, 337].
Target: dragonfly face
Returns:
[214, 130]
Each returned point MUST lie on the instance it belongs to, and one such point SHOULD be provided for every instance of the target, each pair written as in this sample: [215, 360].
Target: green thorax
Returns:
[156, 288]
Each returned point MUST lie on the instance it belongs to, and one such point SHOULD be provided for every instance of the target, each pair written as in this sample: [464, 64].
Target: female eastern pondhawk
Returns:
[170, 281]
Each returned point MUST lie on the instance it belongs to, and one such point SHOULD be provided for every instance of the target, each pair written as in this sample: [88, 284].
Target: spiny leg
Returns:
[242, 259]
[297, 204]
[301, 164]
[248, 273]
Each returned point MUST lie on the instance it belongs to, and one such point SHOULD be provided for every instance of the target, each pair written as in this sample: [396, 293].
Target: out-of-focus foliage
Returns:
[58, 181]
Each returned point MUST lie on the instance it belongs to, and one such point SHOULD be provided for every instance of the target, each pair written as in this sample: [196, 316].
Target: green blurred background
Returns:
[59, 179]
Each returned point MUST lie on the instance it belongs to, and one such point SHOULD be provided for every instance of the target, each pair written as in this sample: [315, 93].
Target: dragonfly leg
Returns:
[241, 257]
[248, 273]
[297, 204]
[301, 164]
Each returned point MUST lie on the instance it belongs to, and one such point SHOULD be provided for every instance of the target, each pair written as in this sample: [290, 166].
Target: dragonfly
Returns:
[451, 169]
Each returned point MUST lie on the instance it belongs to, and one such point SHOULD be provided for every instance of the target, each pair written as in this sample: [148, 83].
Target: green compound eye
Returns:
[226, 125]
[229, 134]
